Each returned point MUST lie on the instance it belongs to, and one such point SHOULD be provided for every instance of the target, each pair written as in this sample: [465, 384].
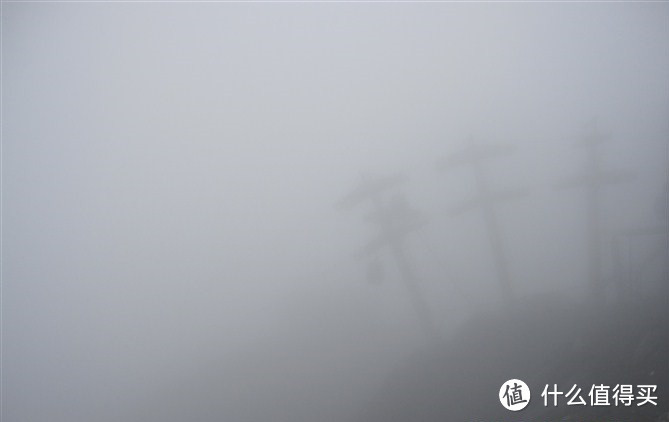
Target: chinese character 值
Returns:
[516, 395]
[600, 396]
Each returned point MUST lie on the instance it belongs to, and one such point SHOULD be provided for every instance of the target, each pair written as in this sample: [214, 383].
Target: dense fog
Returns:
[181, 235]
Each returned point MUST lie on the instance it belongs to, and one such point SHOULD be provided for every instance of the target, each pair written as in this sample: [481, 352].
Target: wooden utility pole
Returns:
[394, 220]
[594, 179]
[474, 155]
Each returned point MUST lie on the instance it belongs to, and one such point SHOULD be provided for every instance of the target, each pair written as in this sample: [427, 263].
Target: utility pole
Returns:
[474, 156]
[394, 220]
[594, 179]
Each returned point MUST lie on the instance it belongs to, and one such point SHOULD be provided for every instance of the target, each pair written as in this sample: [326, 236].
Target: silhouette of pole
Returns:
[395, 219]
[474, 156]
[594, 179]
